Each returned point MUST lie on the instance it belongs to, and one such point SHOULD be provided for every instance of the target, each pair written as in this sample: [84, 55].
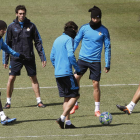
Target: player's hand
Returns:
[106, 69]
[44, 63]
[5, 66]
[21, 56]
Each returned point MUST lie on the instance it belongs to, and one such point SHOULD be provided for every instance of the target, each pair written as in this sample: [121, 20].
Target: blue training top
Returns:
[92, 44]
[7, 49]
[62, 56]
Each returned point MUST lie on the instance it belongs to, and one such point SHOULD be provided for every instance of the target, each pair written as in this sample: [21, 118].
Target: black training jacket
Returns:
[21, 40]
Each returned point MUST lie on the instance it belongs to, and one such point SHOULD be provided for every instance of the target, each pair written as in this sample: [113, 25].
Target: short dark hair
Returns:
[20, 7]
[3, 25]
[71, 25]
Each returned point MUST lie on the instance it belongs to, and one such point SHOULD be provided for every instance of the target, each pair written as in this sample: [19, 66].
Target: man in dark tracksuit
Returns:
[20, 35]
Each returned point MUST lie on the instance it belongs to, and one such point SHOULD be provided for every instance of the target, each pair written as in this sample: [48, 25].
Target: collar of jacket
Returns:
[26, 20]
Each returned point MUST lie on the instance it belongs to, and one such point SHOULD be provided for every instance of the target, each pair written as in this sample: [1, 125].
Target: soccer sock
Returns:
[9, 100]
[2, 115]
[68, 122]
[131, 106]
[97, 106]
[62, 118]
[38, 99]
[76, 103]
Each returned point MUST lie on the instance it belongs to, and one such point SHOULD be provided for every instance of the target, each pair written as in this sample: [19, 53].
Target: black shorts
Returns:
[67, 86]
[16, 66]
[95, 69]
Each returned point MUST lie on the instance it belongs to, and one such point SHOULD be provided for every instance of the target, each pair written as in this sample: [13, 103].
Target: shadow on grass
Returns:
[122, 113]
[81, 116]
[114, 113]
[89, 126]
[111, 125]
[51, 104]
[17, 122]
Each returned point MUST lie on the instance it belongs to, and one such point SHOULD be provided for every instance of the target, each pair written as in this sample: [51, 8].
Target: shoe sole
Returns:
[9, 122]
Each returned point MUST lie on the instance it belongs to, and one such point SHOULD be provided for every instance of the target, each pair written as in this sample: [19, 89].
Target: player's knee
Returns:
[96, 85]
[11, 78]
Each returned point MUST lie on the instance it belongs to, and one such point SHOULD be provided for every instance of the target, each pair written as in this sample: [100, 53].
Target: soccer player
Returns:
[129, 108]
[20, 36]
[62, 58]
[93, 36]
[3, 26]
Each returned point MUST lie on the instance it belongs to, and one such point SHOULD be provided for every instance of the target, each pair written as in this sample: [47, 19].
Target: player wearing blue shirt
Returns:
[93, 36]
[4, 119]
[62, 58]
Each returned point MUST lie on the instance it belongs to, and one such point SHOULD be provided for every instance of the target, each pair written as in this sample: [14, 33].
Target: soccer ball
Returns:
[105, 118]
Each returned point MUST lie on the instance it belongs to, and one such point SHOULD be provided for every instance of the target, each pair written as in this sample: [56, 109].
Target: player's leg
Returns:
[15, 67]
[62, 118]
[68, 88]
[65, 117]
[30, 66]
[96, 95]
[83, 67]
[69, 105]
[95, 74]
[129, 108]
[134, 101]
[77, 77]
[136, 96]
[10, 87]
[2, 115]
[35, 86]
[4, 119]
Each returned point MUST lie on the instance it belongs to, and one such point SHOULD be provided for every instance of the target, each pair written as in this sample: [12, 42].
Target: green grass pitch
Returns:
[121, 18]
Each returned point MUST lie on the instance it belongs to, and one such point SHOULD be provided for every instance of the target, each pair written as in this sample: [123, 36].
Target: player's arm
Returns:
[8, 50]
[8, 41]
[39, 46]
[52, 56]
[71, 56]
[107, 47]
[78, 38]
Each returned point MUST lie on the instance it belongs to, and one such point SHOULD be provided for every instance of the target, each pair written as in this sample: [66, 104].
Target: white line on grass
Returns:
[111, 85]
[77, 135]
